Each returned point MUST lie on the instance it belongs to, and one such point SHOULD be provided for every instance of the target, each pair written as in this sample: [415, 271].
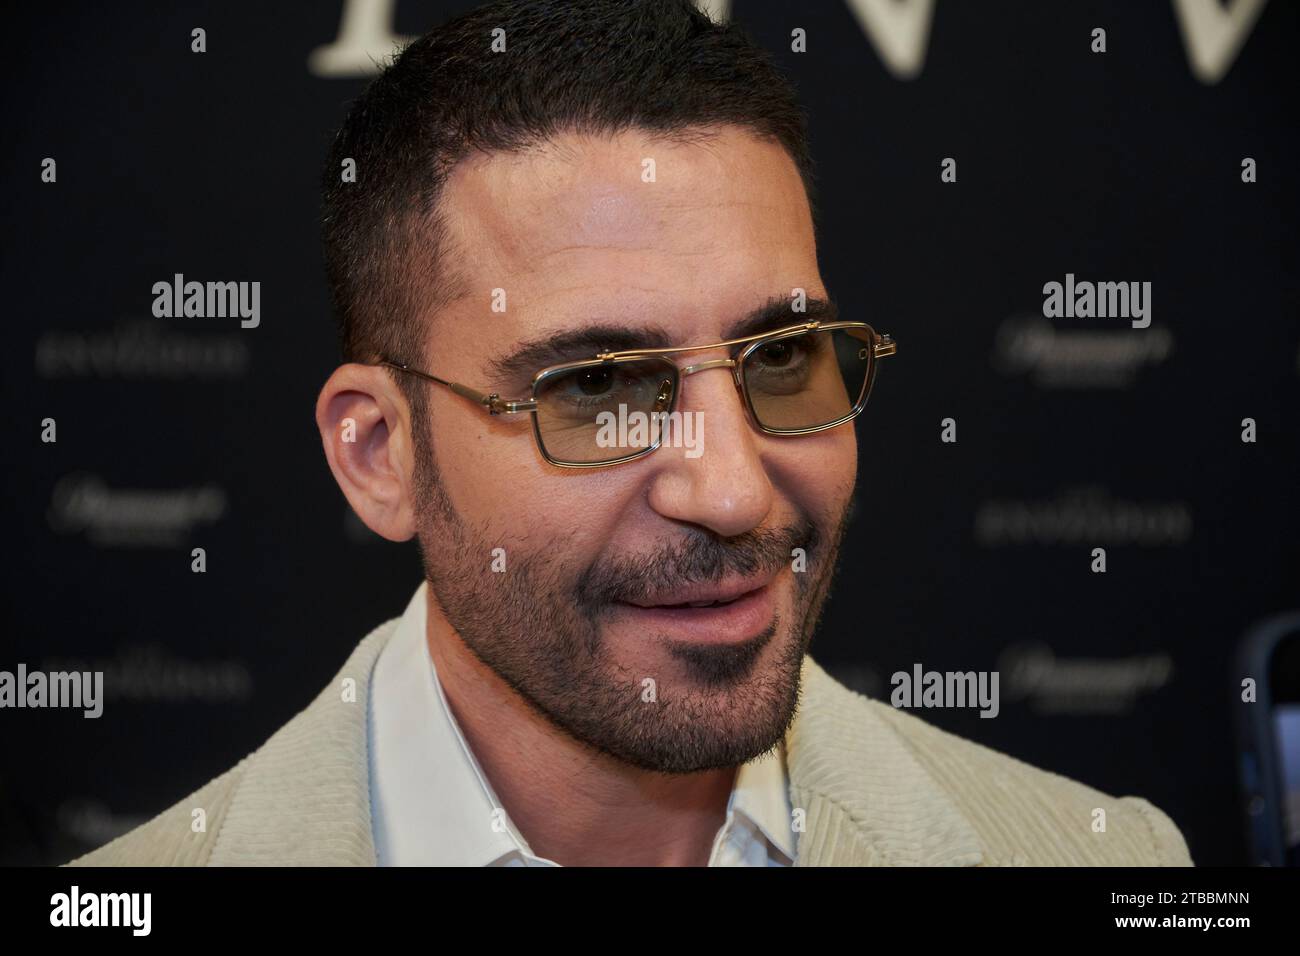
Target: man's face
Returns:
[586, 621]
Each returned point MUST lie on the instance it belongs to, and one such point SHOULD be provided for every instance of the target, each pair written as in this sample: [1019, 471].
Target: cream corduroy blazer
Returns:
[878, 787]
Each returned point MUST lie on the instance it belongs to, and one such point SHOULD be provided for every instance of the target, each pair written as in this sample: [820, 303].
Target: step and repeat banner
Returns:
[1080, 474]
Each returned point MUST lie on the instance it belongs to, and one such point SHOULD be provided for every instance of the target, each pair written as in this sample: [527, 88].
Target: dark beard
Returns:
[538, 629]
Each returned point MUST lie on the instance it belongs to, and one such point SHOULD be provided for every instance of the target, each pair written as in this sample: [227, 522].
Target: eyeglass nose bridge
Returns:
[712, 363]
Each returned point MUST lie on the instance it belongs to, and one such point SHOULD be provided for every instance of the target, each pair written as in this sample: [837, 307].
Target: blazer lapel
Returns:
[304, 799]
[868, 801]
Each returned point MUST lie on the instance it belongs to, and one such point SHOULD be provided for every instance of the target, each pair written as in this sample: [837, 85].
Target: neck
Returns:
[573, 805]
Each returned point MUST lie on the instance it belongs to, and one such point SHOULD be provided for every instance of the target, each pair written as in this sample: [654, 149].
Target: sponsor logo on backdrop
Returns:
[131, 517]
[1080, 685]
[862, 678]
[1032, 673]
[1027, 344]
[149, 673]
[898, 30]
[1084, 515]
[140, 350]
[90, 822]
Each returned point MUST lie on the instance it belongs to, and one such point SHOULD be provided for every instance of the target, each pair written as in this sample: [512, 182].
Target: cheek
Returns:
[506, 493]
[503, 489]
[817, 472]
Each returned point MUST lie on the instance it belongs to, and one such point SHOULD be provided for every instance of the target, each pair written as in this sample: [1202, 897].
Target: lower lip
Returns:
[742, 619]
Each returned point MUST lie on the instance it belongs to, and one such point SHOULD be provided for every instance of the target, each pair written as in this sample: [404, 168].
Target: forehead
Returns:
[630, 226]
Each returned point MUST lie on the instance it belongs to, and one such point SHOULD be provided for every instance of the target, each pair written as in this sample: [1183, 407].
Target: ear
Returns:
[365, 428]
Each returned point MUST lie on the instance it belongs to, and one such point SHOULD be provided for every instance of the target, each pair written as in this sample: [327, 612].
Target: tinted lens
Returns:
[810, 379]
[604, 412]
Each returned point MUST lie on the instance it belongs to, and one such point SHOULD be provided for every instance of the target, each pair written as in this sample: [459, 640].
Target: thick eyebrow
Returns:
[587, 341]
[778, 312]
[570, 346]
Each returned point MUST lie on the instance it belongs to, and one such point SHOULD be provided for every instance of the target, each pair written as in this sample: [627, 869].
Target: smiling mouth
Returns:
[696, 597]
[730, 612]
[686, 605]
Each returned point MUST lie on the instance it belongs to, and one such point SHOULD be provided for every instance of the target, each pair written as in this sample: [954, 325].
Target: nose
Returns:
[725, 487]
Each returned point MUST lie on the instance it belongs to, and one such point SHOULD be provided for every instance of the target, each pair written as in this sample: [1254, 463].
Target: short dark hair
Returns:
[587, 66]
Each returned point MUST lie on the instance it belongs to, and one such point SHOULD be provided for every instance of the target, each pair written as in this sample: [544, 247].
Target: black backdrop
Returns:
[1072, 434]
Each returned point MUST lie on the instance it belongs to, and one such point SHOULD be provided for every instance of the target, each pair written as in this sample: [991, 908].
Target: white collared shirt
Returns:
[432, 805]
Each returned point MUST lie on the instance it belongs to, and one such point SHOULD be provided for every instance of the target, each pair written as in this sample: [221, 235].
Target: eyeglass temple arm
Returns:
[494, 404]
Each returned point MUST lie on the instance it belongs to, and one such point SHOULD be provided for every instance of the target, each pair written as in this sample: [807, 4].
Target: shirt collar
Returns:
[761, 795]
[429, 801]
[432, 805]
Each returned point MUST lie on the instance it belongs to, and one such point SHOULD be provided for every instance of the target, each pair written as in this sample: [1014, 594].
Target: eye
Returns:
[595, 381]
[777, 354]
[595, 387]
[786, 355]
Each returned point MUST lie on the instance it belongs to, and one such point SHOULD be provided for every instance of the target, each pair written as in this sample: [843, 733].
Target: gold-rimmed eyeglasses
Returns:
[793, 381]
